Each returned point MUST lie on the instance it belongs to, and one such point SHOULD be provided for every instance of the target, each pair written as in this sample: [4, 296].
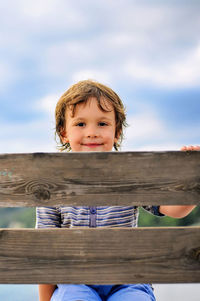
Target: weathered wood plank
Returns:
[113, 178]
[101, 256]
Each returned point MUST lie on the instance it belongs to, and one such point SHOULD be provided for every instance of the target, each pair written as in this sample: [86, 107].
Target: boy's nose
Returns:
[92, 132]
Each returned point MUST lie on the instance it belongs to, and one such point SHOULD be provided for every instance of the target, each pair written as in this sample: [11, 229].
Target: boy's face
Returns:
[90, 129]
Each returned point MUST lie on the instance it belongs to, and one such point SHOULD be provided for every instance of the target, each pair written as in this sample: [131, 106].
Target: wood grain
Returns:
[80, 179]
[124, 178]
[100, 256]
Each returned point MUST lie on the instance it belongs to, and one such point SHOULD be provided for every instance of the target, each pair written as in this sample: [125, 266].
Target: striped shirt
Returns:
[112, 216]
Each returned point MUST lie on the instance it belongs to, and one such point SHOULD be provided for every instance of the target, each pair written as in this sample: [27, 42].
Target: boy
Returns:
[91, 117]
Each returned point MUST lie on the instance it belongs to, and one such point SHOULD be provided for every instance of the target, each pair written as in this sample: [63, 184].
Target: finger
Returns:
[194, 148]
[191, 148]
[184, 148]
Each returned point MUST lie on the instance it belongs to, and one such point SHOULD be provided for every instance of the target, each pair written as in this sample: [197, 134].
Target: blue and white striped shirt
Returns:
[112, 216]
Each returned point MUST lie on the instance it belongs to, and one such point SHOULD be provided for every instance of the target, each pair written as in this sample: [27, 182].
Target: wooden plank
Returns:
[100, 256]
[112, 178]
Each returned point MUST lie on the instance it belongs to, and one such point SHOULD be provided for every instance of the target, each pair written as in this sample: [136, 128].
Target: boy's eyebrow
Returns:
[100, 118]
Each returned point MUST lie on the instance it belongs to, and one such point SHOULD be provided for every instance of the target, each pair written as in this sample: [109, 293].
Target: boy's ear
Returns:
[64, 137]
[64, 140]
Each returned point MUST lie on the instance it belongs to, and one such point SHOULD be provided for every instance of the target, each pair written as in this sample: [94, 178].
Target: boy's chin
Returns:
[87, 149]
[95, 149]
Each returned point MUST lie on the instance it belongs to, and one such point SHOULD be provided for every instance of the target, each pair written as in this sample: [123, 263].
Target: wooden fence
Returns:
[100, 256]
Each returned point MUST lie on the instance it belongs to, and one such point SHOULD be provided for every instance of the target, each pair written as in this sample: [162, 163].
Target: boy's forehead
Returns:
[105, 106]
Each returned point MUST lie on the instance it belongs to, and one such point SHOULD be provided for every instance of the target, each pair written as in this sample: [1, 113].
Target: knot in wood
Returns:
[41, 193]
[194, 254]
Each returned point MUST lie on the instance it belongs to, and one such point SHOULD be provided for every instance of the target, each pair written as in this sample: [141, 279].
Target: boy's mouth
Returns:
[93, 144]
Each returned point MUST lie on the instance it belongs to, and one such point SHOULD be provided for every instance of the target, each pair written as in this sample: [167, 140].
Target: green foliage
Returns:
[17, 217]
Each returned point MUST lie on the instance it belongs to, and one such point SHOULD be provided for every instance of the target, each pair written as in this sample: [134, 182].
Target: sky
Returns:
[146, 51]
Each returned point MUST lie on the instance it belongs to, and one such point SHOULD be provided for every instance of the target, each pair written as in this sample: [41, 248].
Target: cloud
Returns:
[47, 104]
[63, 58]
[148, 132]
[102, 76]
[146, 42]
[144, 124]
[144, 131]
[182, 72]
[36, 16]
[36, 136]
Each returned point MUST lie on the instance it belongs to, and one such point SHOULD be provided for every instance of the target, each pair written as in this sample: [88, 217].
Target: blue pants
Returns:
[77, 292]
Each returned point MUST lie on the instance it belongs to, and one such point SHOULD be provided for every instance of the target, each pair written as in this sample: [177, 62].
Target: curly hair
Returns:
[80, 93]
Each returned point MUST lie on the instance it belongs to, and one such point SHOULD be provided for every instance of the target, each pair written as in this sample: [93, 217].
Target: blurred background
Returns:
[147, 51]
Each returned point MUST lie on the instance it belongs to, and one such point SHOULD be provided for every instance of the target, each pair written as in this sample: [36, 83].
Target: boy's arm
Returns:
[179, 211]
[46, 291]
[176, 211]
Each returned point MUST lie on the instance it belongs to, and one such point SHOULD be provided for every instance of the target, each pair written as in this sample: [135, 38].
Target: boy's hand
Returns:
[190, 148]
[179, 211]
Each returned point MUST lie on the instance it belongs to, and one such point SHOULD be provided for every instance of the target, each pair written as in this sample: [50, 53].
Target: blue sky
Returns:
[147, 51]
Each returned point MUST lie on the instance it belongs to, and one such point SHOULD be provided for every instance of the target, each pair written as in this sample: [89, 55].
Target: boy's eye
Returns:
[80, 124]
[102, 123]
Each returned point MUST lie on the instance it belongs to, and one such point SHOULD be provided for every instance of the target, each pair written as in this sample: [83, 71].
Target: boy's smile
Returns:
[90, 129]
